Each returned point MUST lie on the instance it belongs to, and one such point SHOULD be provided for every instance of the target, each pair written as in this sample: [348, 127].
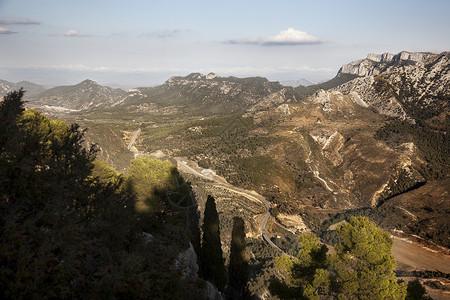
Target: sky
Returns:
[141, 43]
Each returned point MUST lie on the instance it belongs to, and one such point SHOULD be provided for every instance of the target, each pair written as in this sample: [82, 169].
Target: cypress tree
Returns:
[238, 267]
[212, 262]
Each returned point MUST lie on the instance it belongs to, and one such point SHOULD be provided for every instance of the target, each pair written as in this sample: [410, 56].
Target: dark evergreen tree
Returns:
[238, 267]
[212, 262]
[415, 291]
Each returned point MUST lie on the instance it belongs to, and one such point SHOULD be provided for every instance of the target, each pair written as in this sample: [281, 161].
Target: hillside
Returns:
[83, 96]
[30, 88]
[210, 95]
[419, 90]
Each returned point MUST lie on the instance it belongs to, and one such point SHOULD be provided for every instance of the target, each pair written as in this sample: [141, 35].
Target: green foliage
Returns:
[212, 262]
[360, 268]
[238, 268]
[307, 271]
[65, 232]
[363, 264]
[162, 196]
[104, 173]
[149, 178]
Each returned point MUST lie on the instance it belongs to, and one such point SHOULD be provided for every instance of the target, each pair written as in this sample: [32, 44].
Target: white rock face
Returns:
[331, 142]
[357, 99]
[284, 109]
[363, 92]
[329, 100]
[404, 55]
[375, 64]
[424, 84]
[211, 76]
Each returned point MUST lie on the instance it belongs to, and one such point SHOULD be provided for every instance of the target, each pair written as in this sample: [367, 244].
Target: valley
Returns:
[371, 142]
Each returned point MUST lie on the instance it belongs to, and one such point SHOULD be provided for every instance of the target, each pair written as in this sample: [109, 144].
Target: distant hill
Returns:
[294, 83]
[339, 79]
[29, 87]
[211, 94]
[85, 95]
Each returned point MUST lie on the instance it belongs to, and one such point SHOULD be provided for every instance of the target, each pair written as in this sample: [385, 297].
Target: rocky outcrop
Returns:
[404, 90]
[331, 142]
[404, 55]
[376, 64]
[363, 92]
[186, 262]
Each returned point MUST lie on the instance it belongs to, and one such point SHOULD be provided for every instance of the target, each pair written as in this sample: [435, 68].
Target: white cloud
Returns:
[290, 36]
[19, 22]
[74, 33]
[4, 30]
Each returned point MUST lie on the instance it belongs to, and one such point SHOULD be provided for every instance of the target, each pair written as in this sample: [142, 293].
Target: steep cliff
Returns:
[375, 64]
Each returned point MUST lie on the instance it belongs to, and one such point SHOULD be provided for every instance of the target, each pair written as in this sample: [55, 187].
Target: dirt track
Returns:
[410, 256]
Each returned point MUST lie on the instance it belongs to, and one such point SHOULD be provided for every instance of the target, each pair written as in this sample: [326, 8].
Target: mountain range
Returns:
[372, 141]
[342, 119]
[31, 88]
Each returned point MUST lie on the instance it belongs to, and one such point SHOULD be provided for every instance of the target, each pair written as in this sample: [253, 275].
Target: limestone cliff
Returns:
[375, 64]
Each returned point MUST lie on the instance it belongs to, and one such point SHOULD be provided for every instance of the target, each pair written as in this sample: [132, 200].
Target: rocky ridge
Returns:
[375, 64]
[83, 96]
[402, 91]
[214, 94]
[29, 87]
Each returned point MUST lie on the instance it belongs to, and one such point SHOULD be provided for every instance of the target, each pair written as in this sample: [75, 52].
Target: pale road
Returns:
[410, 256]
[228, 186]
[246, 194]
[133, 139]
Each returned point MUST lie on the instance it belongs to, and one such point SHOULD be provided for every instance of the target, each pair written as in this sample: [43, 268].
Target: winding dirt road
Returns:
[245, 193]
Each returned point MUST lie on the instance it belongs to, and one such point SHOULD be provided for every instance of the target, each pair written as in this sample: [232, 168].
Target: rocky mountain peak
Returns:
[88, 82]
[421, 86]
[376, 64]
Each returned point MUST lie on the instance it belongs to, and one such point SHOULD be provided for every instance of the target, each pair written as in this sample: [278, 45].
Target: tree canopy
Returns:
[68, 224]
[360, 268]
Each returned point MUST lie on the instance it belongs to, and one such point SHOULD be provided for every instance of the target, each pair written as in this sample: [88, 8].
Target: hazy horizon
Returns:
[142, 43]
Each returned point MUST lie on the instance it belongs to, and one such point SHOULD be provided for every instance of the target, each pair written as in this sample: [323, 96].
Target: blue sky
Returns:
[137, 43]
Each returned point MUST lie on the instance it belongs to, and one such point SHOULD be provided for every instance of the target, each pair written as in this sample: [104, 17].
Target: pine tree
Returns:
[416, 291]
[363, 264]
[238, 267]
[212, 262]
